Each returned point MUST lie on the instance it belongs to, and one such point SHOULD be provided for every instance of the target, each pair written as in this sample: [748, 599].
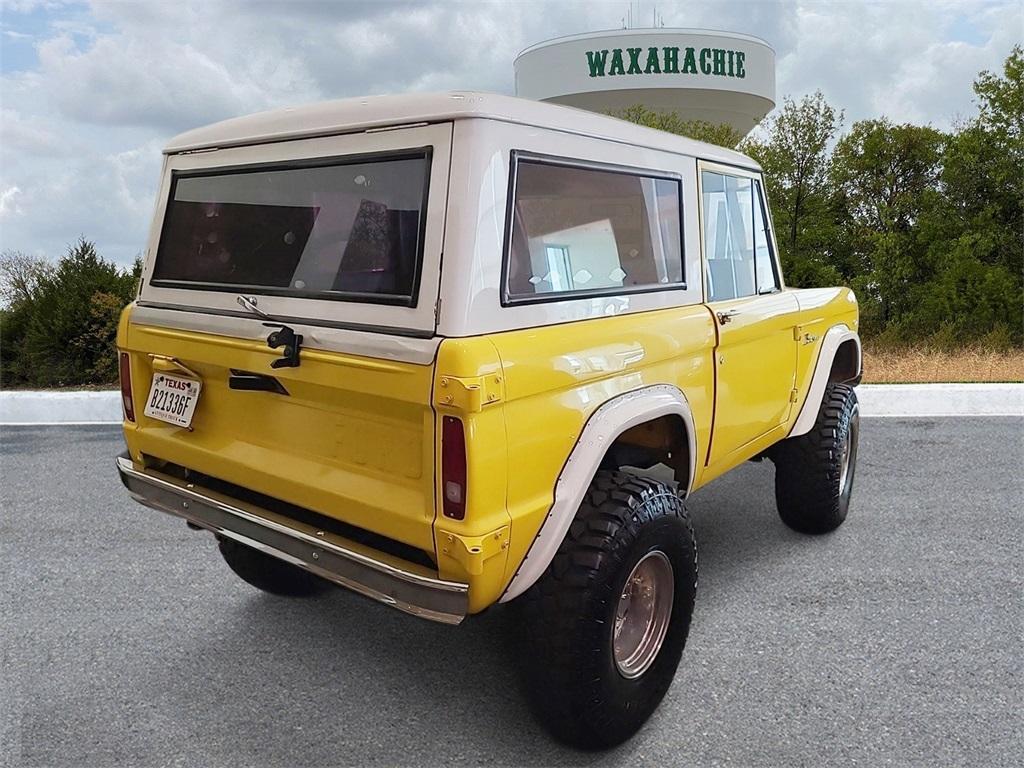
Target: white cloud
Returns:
[9, 202]
[31, 136]
[82, 130]
[895, 59]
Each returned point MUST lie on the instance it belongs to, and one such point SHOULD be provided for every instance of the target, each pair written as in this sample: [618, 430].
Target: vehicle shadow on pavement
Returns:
[340, 678]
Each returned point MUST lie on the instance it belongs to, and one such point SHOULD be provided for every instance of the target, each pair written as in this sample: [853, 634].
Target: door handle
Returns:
[727, 316]
[255, 382]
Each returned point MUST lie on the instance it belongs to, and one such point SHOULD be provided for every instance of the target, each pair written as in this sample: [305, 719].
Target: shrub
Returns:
[62, 330]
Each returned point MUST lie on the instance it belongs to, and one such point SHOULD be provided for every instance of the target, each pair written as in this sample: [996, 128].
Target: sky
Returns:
[91, 91]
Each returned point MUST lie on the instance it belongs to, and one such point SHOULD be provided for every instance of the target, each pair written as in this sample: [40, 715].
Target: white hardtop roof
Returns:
[359, 114]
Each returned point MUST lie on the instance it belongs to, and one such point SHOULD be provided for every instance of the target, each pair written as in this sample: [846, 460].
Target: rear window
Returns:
[348, 229]
[586, 231]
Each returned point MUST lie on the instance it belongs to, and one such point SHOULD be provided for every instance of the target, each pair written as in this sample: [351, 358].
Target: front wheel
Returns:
[606, 624]
[814, 472]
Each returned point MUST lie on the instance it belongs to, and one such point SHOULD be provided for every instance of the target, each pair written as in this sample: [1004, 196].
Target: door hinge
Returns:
[794, 395]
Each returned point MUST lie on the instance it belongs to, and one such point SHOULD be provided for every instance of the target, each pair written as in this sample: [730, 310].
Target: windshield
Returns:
[348, 229]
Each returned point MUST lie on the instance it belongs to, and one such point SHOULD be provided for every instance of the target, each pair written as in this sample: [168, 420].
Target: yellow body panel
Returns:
[820, 309]
[353, 440]
[755, 368]
[474, 550]
[359, 439]
[557, 376]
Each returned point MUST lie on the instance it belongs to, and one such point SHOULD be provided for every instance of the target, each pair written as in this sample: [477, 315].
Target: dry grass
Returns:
[914, 366]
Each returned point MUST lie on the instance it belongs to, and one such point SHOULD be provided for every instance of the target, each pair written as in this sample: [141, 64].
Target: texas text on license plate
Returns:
[173, 399]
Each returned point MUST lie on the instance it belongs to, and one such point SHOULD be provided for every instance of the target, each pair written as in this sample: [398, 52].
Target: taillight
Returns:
[453, 468]
[124, 367]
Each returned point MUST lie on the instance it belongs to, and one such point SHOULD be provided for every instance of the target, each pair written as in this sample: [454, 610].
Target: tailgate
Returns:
[352, 439]
[338, 238]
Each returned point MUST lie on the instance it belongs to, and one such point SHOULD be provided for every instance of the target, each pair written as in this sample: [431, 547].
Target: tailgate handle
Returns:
[290, 340]
[255, 382]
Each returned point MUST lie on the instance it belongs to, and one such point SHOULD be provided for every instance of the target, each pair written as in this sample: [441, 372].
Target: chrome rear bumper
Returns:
[409, 588]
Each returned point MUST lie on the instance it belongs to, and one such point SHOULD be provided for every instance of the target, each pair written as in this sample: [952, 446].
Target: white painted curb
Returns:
[60, 407]
[892, 400]
[927, 400]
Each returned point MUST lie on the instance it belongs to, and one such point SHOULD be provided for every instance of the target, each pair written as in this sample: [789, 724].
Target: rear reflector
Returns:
[124, 367]
[453, 468]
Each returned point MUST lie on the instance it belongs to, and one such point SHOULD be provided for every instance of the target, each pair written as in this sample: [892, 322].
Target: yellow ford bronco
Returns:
[426, 347]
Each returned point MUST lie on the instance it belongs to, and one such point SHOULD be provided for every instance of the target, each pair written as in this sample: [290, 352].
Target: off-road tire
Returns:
[268, 573]
[809, 493]
[572, 680]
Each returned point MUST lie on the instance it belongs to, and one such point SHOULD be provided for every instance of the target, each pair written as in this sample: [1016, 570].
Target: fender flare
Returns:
[834, 338]
[605, 424]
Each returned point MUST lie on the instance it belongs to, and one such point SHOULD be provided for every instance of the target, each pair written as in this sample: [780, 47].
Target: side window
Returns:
[764, 264]
[589, 231]
[728, 235]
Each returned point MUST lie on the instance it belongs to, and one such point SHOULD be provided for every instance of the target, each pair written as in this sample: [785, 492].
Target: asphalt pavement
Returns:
[898, 640]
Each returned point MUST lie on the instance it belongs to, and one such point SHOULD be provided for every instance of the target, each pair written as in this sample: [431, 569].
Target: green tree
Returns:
[983, 170]
[886, 175]
[65, 334]
[1001, 101]
[20, 275]
[974, 230]
[794, 155]
[884, 169]
[722, 134]
[935, 224]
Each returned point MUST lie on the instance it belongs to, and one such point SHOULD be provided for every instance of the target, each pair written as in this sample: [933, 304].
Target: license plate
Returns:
[173, 399]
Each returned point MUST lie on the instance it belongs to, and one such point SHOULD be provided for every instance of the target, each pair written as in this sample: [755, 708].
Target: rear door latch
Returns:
[291, 341]
[283, 337]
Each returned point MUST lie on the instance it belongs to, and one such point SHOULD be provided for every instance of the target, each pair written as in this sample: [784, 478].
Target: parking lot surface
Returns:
[898, 640]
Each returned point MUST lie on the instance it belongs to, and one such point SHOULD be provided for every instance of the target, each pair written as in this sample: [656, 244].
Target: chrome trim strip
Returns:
[317, 335]
[319, 552]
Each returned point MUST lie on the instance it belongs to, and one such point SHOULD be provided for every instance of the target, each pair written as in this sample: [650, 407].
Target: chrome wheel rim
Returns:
[848, 455]
[642, 615]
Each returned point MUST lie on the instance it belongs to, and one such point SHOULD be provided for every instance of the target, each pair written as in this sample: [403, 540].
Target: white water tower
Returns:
[721, 77]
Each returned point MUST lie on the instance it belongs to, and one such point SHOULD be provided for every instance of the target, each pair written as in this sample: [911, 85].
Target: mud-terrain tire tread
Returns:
[565, 614]
[807, 468]
[269, 574]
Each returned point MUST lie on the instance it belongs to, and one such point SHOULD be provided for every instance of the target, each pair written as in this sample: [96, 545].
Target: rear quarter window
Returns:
[577, 230]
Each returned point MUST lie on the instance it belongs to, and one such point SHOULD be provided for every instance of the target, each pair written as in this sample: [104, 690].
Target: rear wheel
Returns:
[606, 624]
[268, 573]
[814, 472]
